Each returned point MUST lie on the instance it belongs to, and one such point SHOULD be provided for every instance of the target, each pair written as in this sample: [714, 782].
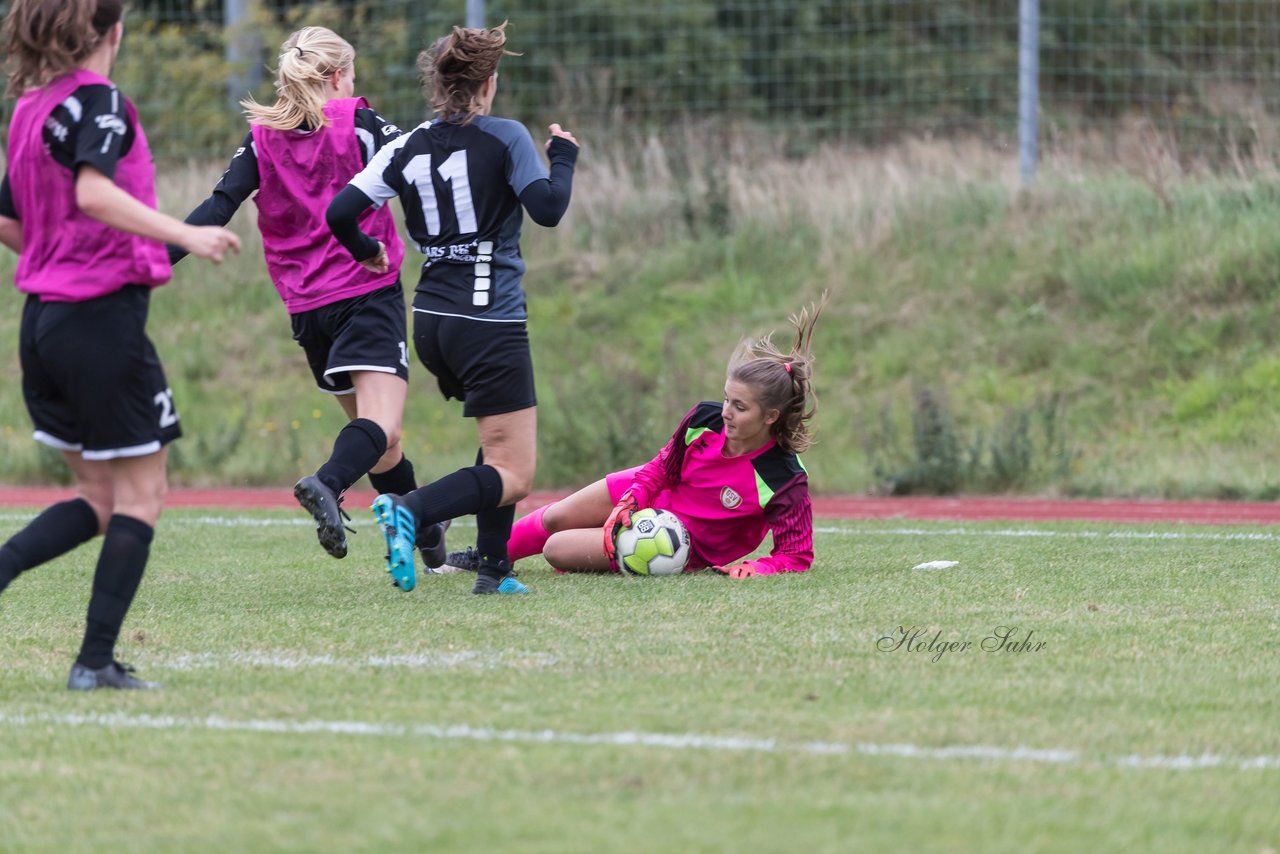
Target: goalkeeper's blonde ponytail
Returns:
[783, 381]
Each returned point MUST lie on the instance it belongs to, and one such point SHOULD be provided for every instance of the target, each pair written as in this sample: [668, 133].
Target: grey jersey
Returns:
[460, 187]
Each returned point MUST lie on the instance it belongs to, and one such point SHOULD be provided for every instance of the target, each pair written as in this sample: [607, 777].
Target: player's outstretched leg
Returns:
[114, 675]
[326, 508]
[400, 529]
[400, 480]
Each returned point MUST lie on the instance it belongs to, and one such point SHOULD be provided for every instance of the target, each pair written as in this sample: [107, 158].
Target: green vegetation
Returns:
[309, 706]
[869, 70]
[1101, 333]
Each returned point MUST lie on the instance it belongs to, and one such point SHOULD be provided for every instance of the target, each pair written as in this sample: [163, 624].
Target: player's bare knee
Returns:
[554, 518]
[392, 432]
[389, 459]
[554, 552]
[515, 485]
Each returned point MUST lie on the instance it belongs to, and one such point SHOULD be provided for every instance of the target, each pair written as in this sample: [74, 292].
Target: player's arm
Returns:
[373, 132]
[11, 233]
[100, 198]
[10, 226]
[377, 183]
[343, 218]
[650, 479]
[544, 195]
[238, 183]
[546, 199]
[103, 133]
[789, 516]
[663, 471]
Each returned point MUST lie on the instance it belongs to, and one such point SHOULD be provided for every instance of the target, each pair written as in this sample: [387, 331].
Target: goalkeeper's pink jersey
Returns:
[727, 503]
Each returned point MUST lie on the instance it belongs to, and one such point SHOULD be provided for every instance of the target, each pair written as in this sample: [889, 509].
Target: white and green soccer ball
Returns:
[657, 543]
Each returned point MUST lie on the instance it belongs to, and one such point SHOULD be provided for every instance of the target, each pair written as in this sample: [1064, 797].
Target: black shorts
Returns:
[364, 333]
[484, 364]
[91, 378]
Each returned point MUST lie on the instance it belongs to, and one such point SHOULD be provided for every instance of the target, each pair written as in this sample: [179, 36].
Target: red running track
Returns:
[831, 507]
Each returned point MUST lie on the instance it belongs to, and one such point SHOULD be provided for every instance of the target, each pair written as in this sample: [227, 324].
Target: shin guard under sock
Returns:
[397, 480]
[357, 449]
[462, 493]
[56, 531]
[493, 529]
[125, 548]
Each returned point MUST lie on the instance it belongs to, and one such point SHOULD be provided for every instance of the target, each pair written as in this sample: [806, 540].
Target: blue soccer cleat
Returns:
[400, 529]
[511, 585]
[504, 580]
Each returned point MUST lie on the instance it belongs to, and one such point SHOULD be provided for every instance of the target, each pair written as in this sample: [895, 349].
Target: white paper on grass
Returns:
[937, 564]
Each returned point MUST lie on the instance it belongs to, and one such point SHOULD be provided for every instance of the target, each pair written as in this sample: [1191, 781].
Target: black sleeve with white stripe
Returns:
[238, 183]
[94, 128]
[373, 132]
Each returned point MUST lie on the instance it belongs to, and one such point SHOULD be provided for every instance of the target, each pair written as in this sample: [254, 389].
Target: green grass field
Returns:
[308, 705]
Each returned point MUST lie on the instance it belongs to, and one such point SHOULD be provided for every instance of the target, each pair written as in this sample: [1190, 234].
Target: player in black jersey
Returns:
[78, 206]
[348, 320]
[463, 180]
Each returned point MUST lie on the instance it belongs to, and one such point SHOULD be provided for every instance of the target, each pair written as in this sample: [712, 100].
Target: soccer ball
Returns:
[657, 543]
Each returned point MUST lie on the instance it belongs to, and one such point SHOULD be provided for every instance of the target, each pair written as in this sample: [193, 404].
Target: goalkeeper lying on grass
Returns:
[730, 472]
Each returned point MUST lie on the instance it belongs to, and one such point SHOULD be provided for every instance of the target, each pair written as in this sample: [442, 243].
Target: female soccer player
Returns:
[731, 472]
[462, 180]
[78, 206]
[349, 320]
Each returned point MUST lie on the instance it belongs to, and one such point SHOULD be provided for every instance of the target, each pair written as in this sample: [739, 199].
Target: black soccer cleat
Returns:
[431, 545]
[114, 675]
[326, 508]
[467, 560]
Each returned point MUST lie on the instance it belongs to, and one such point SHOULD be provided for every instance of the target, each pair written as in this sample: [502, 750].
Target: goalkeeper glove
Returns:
[620, 518]
[746, 569]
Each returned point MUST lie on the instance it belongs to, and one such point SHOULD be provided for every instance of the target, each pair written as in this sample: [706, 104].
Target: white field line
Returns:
[846, 531]
[297, 661]
[666, 741]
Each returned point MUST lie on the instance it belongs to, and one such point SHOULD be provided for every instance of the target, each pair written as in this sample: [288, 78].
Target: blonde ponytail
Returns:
[308, 60]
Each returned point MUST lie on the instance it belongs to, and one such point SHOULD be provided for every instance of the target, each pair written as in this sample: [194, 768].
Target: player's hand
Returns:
[210, 241]
[620, 518]
[379, 263]
[556, 131]
[746, 569]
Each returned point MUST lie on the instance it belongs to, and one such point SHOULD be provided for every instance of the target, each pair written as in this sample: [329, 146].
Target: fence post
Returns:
[240, 50]
[475, 13]
[1028, 86]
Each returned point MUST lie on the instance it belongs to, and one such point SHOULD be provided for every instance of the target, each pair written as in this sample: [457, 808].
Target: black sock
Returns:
[357, 449]
[397, 480]
[125, 547]
[462, 493]
[494, 529]
[56, 531]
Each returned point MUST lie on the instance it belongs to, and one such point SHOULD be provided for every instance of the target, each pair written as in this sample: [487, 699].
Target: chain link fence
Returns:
[1202, 75]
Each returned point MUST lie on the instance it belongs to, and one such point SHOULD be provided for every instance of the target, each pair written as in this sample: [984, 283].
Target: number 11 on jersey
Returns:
[453, 171]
